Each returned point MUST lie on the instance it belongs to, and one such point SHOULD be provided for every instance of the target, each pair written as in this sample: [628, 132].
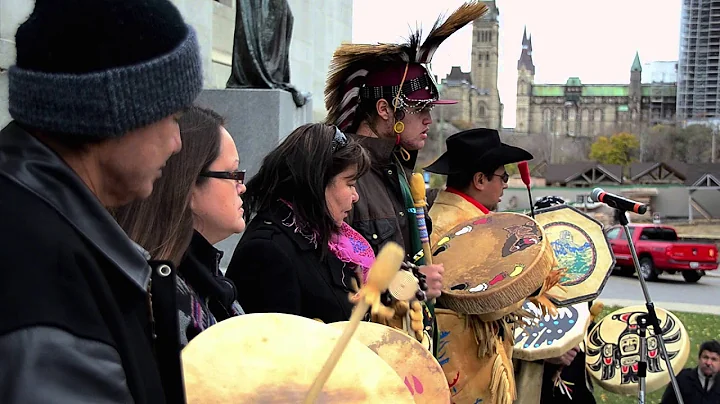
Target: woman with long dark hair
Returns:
[195, 204]
[298, 256]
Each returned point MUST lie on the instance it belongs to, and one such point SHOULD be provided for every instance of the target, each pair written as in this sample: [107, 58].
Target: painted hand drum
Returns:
[415, 365]
[492, 263]
[274, 358]
[613, 350]
[580, 247]
[551, 335]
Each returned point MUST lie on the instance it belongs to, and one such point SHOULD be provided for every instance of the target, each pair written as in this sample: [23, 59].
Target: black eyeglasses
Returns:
[505, 177]
[238, 176]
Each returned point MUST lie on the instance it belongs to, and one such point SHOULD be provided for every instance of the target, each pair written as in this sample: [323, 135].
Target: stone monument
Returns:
[260, 105]
[263, 30]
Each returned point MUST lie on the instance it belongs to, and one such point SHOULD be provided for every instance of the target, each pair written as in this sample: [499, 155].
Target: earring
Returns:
[399, 127]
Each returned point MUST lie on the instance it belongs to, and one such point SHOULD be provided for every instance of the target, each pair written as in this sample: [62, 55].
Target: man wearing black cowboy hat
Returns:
[476, 178]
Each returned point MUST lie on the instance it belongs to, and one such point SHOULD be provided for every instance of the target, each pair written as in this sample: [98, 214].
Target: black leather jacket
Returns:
[76, 326]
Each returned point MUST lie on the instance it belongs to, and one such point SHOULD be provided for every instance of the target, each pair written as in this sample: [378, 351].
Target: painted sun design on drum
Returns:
[574, 250]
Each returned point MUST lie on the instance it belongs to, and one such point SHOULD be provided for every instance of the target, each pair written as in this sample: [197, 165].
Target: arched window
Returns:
[481, 111]
[571, 114]
[598, 115]
[585, 115]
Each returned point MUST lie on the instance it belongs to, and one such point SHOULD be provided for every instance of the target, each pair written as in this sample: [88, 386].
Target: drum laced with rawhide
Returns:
[583, 251]
[549, 336]
[412, 361]
[492, 263]
[613, 350]
[274, 358]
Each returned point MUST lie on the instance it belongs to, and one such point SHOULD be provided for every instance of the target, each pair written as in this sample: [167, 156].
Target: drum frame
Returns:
[590, 296]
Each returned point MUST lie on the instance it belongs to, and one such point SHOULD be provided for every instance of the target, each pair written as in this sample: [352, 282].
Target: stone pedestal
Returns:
[12, 14]
[258, 121]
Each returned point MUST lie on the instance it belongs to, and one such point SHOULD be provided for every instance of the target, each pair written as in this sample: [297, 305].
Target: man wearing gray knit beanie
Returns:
[94, 96]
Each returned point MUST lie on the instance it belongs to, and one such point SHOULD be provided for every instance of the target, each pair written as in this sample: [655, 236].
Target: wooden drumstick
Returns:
[381, 274]
[417, 188]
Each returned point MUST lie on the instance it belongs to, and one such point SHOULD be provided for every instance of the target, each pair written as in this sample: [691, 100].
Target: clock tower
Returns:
[485, 107]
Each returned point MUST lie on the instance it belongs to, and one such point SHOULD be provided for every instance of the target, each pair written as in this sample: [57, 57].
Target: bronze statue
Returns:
[263, 29]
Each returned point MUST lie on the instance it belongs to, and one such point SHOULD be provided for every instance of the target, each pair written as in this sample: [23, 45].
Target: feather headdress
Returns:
[352, 63]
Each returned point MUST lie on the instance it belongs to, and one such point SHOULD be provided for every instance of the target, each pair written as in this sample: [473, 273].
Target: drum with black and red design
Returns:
[613, 350]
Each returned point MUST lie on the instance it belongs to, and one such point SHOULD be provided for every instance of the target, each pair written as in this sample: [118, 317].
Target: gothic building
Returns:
[477, 91]
[577, 109]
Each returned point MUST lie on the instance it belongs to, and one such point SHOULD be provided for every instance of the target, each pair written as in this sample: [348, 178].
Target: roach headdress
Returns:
[396, 72]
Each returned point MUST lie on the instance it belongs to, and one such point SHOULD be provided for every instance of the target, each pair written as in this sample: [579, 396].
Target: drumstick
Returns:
[525, 175]
[417, 188]
[381, 273]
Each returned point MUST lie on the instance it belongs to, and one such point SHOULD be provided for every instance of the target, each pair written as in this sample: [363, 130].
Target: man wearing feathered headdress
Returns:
[382, 94]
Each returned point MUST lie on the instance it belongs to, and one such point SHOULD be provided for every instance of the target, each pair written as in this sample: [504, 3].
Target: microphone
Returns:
[525, 175]
[618, 202]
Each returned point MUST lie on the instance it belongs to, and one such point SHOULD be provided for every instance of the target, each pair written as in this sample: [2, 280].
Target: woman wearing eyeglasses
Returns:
[297, 255]
[195, 204]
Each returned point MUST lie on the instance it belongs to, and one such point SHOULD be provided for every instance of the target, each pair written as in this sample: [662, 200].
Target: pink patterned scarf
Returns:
[349, 246]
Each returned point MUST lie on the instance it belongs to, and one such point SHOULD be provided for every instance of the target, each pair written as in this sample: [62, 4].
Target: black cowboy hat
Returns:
[476, 150]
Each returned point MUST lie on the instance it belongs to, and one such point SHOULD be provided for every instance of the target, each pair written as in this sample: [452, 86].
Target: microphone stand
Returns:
[532, 206]
[642, 363]
[651, 319]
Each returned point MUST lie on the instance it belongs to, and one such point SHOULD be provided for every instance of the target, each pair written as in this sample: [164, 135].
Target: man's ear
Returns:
[383, 108]
[479, 181]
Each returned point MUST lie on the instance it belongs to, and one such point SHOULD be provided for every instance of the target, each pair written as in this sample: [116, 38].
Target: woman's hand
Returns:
[433, 279]
[566, 358]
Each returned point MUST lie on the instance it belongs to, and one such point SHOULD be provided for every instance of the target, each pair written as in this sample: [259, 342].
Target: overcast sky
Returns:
[593, 40]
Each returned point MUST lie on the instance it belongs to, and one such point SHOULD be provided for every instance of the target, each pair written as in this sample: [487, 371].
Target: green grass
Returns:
[700, 328]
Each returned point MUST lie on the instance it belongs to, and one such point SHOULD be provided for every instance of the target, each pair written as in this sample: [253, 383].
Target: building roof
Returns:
[659, 90]
[588, 90]
[573, 82]
[704, 174]
[587, 173]
[603, 90]
[457, 76]
[660, 172]
[525, 61]
[636, 66]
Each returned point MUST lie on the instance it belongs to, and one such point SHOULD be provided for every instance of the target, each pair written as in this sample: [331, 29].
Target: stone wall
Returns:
[12, 13]
[312, 45]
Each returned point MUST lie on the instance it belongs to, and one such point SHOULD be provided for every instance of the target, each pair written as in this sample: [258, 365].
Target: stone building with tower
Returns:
[578, 109]
[477, 91]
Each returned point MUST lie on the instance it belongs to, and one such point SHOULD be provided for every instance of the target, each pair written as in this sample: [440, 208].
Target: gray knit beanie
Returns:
[100, 68]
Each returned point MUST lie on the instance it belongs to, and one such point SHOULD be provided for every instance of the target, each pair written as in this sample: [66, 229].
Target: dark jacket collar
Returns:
[382, 151]
[282, 216]
[200, 268]
[201, 249]
[29, 163]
